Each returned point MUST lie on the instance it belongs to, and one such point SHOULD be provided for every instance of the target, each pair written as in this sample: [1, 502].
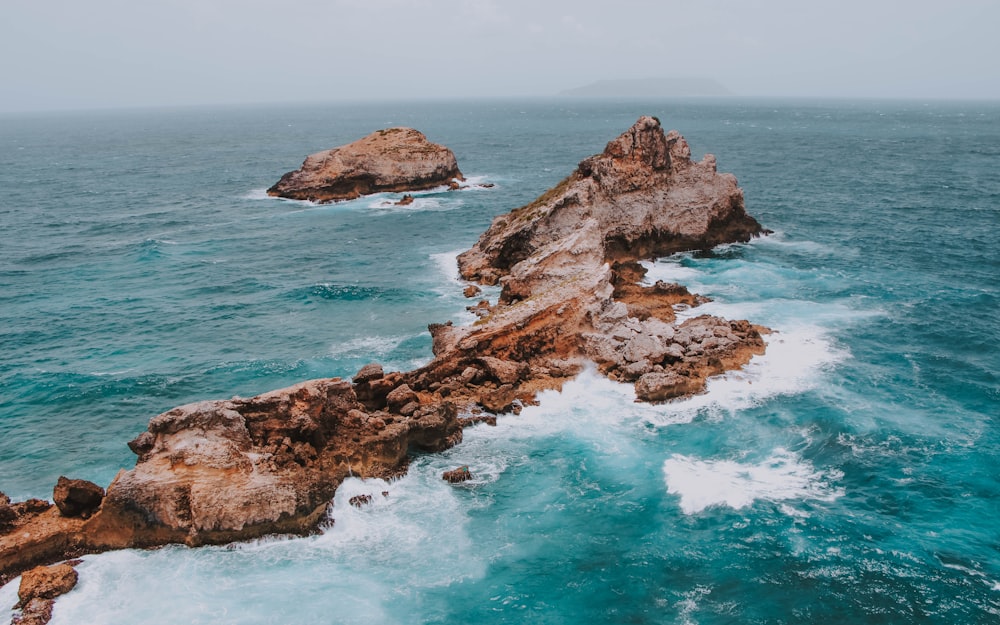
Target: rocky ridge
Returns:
[389, 160]
[571, 293]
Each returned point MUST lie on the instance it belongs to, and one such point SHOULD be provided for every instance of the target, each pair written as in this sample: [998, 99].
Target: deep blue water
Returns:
[849, 475]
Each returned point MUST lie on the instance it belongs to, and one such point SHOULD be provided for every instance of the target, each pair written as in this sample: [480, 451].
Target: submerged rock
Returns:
[390, 160]
[455, 476]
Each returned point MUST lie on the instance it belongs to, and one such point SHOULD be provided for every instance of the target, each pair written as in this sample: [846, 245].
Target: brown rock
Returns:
[472, 291]
[35, 612]
[46, 582]
[77, 497]
[461, 474]
[390, 160]
[400, 396]
[7, 513]
[360, 500]
[368, 373]
[406, 200]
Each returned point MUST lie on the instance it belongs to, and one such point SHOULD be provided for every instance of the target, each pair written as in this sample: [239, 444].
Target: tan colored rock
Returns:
[46, 582]
[390, 160]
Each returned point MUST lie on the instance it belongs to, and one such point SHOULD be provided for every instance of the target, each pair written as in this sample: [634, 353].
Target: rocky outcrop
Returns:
[219, 471]
[572, 294]
[390, 160]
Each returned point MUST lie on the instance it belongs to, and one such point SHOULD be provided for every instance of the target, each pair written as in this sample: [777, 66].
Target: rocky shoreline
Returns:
[571, 294]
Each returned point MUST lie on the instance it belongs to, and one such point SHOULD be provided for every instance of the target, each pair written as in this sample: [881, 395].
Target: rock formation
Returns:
[390, 160]
[219, 471]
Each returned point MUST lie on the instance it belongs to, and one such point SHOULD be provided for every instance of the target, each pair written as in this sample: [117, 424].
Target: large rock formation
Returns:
[568, 266]
[390, 160]
[571, 293]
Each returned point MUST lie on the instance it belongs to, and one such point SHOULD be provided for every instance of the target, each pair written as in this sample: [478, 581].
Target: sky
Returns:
[73, 54]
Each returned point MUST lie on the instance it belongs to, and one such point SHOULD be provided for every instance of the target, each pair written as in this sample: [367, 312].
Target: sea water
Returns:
[848, 475]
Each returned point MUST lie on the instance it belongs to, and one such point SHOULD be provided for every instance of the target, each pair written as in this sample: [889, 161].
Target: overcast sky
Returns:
[68, 54]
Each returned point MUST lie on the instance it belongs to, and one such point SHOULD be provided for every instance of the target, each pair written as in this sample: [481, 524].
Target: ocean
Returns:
[848, 475]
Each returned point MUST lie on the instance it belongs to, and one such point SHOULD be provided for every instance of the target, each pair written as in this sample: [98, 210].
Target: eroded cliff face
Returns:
[390, 160]
[571, 294]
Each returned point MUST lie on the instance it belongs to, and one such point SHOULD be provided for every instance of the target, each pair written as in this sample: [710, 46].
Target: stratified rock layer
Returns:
[220, 471]
[390, 160]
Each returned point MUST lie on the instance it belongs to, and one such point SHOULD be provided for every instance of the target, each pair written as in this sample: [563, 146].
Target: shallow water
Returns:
[848, 474]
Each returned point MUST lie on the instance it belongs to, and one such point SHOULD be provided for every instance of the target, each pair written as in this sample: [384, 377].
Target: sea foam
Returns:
[780, 477]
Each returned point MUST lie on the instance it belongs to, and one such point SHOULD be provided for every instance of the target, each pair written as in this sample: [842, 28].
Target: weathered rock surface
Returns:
[390, 160]
[219, 471]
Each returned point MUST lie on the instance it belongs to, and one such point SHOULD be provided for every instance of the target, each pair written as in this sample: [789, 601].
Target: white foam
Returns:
[447, 264]
[794, 362]
[258, 194]
[8, 597]
[365, 346]
[388, 204]
[782, 476]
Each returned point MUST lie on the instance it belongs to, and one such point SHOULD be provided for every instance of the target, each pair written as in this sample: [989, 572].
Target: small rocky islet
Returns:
[386, 161]
[568, 265]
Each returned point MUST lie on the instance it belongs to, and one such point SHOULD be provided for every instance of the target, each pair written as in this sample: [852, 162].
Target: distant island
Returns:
[650, 88]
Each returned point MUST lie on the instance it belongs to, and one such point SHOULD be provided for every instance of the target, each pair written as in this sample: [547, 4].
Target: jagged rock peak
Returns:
[389, 160]
[642, 197]
[644, 142]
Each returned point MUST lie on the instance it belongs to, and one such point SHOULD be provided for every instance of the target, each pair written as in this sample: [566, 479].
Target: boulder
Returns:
[77, 498]
[658, 386]
[46, 582]
[389, 160]
[369, 373]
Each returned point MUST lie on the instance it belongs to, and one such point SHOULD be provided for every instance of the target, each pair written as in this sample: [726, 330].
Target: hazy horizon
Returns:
[113, 54]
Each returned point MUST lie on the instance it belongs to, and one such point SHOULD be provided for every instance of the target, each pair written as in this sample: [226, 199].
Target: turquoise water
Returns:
[850, 474]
